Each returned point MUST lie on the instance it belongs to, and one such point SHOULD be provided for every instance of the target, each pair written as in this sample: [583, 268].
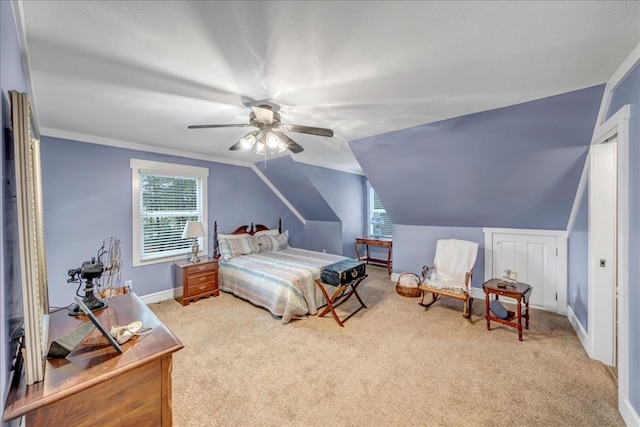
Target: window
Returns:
[375, 205]
[165, 196]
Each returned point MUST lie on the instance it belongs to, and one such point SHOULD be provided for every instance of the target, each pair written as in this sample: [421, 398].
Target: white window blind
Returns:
[167, 197]
[375, 205]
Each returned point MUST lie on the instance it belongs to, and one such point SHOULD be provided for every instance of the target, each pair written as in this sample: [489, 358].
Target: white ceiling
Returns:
[137, 73]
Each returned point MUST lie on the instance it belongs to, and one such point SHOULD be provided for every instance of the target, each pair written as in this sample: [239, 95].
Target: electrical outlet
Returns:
[129, 285]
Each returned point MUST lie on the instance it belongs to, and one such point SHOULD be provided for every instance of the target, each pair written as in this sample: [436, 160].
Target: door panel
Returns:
[534, 258]
[602, 257]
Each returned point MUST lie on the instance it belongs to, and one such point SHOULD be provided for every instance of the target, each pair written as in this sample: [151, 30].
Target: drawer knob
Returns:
[202, 267]
[202, 287]
[202, 279]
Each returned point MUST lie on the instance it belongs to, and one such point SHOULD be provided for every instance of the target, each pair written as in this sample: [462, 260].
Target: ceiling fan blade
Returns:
[264, 113]
[308, 129]
[241, 125]
[293, 146]
[236, 146]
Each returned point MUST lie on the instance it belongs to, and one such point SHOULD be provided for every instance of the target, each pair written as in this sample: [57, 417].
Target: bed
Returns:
[258, 265]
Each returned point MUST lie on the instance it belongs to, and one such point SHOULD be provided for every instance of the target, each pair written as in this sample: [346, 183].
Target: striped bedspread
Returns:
[280, 281]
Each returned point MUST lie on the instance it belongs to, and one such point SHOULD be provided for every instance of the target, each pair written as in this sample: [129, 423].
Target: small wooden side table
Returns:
[197, 280]
[374, 241]
[521, 292]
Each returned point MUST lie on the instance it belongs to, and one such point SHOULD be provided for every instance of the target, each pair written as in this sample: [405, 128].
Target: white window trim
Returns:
[146, 166]
[370, 210]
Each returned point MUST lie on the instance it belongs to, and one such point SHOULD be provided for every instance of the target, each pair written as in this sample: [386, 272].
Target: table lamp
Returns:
[377, 221]
[196, 230]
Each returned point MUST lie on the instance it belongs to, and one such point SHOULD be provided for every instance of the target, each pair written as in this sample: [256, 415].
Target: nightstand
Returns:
[197, 280]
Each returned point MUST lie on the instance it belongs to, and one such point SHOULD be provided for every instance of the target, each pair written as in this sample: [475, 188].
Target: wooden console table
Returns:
[521, 292]
[373, 241]
[94, 385]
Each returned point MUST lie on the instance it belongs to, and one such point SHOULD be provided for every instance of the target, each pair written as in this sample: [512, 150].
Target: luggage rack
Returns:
[341, 298]
[344, 275]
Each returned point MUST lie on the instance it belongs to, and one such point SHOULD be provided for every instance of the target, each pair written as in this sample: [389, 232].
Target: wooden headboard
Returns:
[243, 229]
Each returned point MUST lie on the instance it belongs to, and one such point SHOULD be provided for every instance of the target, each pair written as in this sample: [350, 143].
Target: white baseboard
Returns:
[394, 277]
[161, 296]
[583, 336]
[629, 414]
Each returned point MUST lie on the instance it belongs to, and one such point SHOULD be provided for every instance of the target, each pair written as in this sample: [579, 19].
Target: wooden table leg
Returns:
[519, 310]
[329, 306]
[389, 260]
[486, 310]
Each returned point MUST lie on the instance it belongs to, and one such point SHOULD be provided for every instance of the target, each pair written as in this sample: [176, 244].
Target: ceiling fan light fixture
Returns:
[248, 141]
[259, 148]
[272, 141]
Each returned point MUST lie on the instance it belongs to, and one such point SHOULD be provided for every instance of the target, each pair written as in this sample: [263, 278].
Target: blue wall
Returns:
[577, 260]
[512, 167]
[87, 198]
[12, 77]
[415, 246]
[296, 187]
[628, 92]
[331, 201]
[346, 194]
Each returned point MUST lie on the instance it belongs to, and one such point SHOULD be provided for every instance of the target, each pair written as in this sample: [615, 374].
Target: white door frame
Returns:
[616, 124]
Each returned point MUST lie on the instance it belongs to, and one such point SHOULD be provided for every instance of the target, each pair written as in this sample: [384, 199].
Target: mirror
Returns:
[30, 224]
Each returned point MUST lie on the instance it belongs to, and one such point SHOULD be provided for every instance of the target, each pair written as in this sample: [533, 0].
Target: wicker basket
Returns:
[407, 285]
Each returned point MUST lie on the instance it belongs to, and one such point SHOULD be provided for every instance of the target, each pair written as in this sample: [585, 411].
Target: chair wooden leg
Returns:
[468, 304]
[433, 296]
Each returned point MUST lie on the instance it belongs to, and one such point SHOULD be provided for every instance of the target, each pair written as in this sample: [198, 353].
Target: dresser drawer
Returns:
[201, 268]
[199, 288]
[201, 279]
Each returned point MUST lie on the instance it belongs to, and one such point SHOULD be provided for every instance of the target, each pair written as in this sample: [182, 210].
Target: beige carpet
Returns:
[392, 364]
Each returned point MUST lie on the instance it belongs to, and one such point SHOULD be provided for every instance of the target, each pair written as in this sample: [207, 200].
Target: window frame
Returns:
[139, 167]
[370, 210]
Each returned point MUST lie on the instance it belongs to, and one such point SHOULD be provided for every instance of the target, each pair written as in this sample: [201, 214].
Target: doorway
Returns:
[603, 232]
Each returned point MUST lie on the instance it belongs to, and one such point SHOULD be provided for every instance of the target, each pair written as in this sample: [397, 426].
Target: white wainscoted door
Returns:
[535, 256]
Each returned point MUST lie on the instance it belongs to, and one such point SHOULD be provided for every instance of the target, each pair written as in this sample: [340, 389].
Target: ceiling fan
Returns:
[269, 136]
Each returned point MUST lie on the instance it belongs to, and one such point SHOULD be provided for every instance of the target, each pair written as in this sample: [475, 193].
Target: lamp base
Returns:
[194, 259]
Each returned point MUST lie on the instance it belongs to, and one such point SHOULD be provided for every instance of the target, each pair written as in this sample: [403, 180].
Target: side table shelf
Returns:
[521, 292]
[197, 280]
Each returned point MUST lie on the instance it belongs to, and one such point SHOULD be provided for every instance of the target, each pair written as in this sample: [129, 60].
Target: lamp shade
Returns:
[193, 229]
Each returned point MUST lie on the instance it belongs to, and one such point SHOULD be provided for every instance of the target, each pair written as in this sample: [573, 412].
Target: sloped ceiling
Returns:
[296, 187]
[140, 72]
[514, 167]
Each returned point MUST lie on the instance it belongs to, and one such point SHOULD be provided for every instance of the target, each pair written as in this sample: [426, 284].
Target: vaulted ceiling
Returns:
[137, 73]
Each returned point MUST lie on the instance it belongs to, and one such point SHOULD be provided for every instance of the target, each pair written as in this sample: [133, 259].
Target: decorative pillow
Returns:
[235, 246]
[233, 236]
[268, 232]
[272, 243]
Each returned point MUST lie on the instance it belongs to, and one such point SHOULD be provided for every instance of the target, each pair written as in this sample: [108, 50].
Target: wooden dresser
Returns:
[94, 385]
[197, 280]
